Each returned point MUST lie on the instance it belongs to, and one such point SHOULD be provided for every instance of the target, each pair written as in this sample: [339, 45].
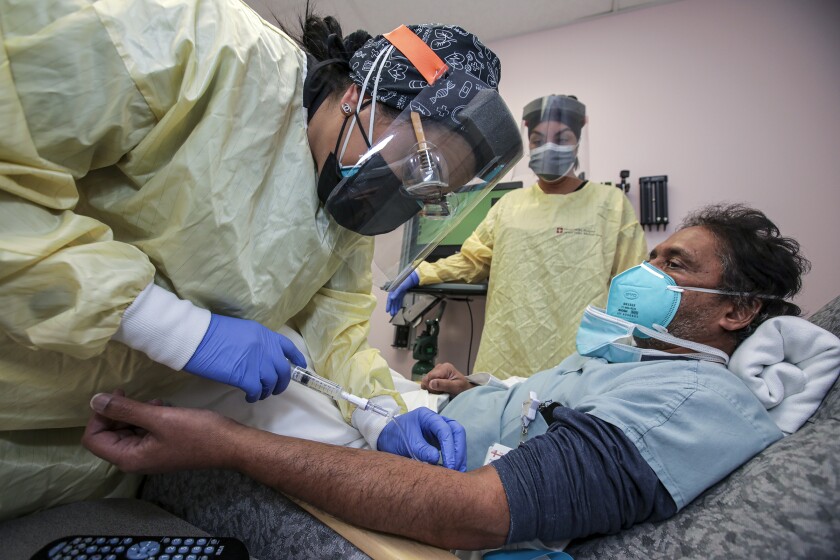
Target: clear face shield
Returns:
[453, 141]
[554, 132]
[427, 170]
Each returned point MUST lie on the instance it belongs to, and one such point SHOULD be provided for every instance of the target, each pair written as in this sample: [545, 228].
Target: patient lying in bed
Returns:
[615, 442]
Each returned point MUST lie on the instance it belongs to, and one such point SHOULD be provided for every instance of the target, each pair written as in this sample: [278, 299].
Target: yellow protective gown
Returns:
[547, 257]
[152, 140]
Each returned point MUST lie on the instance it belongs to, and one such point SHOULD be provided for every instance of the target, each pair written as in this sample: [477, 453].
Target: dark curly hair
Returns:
[755, 258]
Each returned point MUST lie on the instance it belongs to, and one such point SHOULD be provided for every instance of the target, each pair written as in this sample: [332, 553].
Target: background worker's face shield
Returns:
[554, 133]
[423, 166]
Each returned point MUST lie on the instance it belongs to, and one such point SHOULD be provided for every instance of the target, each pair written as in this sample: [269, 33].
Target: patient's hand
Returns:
[444, 378]
[149, 438]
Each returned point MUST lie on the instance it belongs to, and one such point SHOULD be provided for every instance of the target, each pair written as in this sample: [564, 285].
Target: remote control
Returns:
[114, 547]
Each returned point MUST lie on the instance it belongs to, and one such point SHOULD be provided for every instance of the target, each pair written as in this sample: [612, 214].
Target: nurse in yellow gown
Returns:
[547, 251]
[170, 197]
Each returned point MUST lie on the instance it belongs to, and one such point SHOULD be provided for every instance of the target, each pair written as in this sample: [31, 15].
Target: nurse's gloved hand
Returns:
[395, 298]
[429, 436]
[247, 355]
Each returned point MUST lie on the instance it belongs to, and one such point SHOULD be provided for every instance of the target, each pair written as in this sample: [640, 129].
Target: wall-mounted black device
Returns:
[653, 202]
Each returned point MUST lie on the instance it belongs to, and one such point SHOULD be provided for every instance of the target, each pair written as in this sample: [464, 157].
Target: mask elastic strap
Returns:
[362, 96]
[340, 134]
[367, 137]
[602, 314]
[376, 87]
[721, 356]
[355, 117]
[721, 292]
[653, 270]
[552, 146]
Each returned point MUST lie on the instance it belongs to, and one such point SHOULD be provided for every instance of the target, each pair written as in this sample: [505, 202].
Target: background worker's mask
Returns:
[552, 161]
[554, 132]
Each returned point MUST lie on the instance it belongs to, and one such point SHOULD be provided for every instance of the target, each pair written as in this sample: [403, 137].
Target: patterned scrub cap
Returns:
[473, 67]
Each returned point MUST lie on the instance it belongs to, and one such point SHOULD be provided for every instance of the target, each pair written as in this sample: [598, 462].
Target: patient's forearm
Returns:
[378, 490]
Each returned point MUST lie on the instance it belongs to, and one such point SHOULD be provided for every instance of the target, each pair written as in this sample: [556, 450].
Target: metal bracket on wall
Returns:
[653, 202]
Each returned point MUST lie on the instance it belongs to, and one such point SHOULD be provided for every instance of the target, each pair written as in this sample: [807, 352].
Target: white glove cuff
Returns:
[371, 424]
[167, 329]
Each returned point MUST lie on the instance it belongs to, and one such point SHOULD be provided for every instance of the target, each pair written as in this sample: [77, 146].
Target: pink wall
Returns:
[734, 100]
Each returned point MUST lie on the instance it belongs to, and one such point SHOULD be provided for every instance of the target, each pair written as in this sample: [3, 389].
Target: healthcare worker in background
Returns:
[548, 250]
[179, 180]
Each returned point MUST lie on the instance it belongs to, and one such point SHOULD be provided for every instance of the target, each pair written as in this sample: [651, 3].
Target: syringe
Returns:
[331, 389]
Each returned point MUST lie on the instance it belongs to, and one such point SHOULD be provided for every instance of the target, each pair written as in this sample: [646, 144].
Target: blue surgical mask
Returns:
[552, 161]
[603, 336]
[348, 170]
